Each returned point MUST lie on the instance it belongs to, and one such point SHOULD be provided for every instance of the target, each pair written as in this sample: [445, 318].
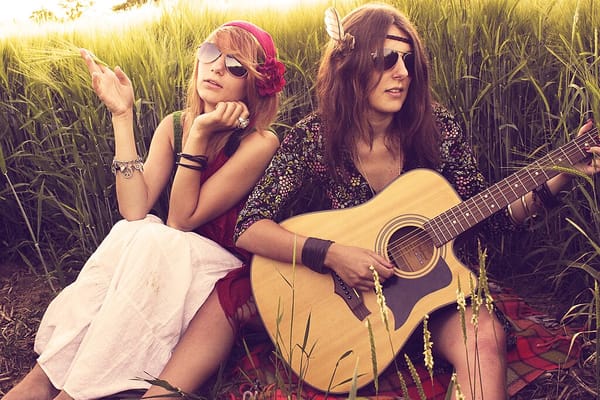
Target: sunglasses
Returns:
[209, 53]
[390, 58]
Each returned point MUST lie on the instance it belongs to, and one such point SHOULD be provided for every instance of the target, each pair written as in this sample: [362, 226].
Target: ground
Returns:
[24, 297]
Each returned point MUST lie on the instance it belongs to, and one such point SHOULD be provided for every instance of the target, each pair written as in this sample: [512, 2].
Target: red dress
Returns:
[234, 289]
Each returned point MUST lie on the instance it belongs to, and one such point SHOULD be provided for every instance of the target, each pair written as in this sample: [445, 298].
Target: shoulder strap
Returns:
[177, 131]
[279, 134]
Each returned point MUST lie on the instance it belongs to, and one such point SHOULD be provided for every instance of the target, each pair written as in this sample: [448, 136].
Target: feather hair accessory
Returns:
[344, 42]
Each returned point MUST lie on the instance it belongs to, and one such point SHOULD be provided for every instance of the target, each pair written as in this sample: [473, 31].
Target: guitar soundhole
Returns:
[410, 249]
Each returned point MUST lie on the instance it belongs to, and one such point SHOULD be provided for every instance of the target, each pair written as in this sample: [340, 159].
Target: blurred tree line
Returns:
[74, 9]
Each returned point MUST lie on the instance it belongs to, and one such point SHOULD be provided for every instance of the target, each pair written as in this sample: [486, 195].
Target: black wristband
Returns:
[546, 197]
[200, 159]
[313, 253]
[189, 166]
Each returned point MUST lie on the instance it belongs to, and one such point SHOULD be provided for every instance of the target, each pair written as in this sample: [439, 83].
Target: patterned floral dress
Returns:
[300, 162]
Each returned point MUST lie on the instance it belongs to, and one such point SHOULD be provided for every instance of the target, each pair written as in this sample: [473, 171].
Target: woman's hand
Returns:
[112, 87]
[355, 265]
[590, 166]
[225, 116]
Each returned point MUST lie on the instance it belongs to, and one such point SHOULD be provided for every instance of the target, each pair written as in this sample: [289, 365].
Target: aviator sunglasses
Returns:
[209, 52]
[390, 58]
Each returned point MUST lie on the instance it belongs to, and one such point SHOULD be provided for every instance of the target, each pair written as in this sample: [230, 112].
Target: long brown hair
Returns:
[245, 48]
[343, 87]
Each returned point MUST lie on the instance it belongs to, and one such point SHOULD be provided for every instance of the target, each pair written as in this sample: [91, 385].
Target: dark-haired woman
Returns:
[375, 122]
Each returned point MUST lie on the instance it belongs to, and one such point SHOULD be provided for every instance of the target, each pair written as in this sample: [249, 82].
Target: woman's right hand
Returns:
[112, 87]
[355, 265]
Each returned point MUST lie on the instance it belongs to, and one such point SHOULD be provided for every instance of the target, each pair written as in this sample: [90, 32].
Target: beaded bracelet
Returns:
[546, 197]
[127, 168]
[313, 253]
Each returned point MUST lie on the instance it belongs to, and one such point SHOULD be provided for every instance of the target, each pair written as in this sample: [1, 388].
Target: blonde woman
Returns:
[136, 295]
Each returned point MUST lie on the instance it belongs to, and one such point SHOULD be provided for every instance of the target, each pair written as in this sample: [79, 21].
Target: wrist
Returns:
[557, 183]
[122, 117]
[198, 162]
[544, 196]
[196, 143]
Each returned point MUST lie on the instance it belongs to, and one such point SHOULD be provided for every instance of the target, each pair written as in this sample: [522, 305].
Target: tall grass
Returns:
[521, 76]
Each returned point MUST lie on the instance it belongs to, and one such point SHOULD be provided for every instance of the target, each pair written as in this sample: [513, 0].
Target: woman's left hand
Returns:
[591, 165]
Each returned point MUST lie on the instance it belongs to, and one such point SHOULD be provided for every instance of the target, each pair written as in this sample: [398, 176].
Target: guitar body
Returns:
[313, 318]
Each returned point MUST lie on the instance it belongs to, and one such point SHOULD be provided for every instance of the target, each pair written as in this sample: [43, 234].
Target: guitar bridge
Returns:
[354, 302]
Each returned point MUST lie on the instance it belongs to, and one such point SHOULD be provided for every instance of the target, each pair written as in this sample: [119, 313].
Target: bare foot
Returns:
[34, 386]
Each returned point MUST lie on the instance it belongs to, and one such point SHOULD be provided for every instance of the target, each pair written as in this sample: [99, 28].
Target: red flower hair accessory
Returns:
[272, 69]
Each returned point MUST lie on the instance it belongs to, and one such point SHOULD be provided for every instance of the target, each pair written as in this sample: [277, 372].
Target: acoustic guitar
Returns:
[319, 324]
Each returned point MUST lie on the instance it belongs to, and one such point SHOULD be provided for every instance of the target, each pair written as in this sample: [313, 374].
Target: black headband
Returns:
[399, 38]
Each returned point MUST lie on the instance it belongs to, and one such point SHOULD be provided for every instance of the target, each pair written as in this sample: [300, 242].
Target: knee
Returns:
[149, 234]
[124, 225]
[488, 335]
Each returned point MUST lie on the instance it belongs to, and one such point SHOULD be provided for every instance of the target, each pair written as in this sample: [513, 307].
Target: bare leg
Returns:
[34, 386]
[203, 347]
[481, 366]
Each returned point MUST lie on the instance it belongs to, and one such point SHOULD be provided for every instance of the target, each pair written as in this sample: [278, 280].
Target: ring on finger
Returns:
[243, 123]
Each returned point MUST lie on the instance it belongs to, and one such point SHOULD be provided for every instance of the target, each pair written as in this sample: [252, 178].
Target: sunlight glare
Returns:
[21, 10]
[17, 20]
[261, 4]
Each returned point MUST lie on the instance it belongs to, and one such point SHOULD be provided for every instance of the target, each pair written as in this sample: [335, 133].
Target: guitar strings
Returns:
[420, 236]
[544, 165]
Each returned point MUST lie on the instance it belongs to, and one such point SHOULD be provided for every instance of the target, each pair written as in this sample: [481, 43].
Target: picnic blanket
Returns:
[537, 344]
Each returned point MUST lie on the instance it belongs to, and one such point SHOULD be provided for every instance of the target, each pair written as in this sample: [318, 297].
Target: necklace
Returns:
[363, 171]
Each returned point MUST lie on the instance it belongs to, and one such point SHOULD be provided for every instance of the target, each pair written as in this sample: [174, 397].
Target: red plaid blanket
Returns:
[538, 344]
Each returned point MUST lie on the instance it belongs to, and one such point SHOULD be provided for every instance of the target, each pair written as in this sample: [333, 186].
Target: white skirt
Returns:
[130, 304]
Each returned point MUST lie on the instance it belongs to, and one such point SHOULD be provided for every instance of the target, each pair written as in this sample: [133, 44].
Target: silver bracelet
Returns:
[528, 213]
[127, 168]
[510, 214]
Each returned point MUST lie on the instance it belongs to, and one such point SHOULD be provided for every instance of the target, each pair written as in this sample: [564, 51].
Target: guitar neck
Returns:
[465, 215]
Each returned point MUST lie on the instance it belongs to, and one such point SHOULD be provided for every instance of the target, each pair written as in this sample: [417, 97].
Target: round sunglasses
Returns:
[390, 58]
[209, 53]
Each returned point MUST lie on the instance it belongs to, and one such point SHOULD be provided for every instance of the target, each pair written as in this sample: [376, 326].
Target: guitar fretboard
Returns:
[465, 215]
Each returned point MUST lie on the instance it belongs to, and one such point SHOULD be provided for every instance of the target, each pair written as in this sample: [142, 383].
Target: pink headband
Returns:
[272, 69]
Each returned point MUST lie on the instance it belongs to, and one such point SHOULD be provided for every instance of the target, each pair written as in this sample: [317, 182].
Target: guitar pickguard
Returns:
[402, 294]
